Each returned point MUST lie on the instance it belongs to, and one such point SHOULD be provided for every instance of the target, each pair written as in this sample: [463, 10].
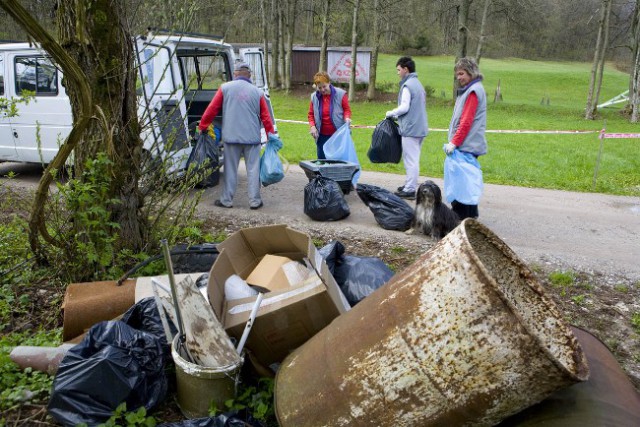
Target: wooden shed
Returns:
[306, 59]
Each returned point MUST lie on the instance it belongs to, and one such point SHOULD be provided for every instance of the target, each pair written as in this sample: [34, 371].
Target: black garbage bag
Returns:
[204, 161]
[358, 276]
[386, 143]
[194, 258]
[324, 201]
[332, 253]
[114, 363]
[144, 316]
[389, 210]
[229, 419]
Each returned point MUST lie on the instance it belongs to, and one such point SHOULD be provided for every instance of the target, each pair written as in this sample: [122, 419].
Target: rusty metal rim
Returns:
[582, 370]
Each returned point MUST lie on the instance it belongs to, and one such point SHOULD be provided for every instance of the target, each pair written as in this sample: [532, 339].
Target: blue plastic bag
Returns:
[462, 178]
[271, 170]
[340, 147]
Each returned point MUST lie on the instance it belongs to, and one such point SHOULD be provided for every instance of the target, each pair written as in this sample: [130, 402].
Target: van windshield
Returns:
[204, 71]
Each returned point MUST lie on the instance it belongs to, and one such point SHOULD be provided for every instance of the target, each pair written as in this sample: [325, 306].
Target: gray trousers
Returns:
[232, 154]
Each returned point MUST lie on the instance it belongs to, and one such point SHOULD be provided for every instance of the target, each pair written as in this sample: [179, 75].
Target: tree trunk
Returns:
[354, 51]
[281, 60]
[482, 31]
[597, 57]
[605, 47]
[463, 30]
[290, 28]
[96, 35]
[265, 36]
[275, 66]
[634, 81]
[463, 35]
[371, 90]
[325, 36]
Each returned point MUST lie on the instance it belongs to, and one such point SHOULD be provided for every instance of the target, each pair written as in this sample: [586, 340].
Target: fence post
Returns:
[595, 172]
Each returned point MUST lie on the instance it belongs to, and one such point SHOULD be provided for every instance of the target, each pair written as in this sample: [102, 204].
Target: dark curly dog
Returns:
[431, 216]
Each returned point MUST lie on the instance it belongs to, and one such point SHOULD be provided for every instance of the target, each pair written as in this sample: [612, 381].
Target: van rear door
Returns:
[160, 102]
[255, 58]
[7, 145]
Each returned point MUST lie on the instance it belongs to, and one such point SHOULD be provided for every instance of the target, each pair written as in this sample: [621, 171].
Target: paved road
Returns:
[580, 230]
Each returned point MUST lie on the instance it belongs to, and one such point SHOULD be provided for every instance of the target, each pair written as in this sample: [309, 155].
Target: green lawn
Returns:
[557, 161]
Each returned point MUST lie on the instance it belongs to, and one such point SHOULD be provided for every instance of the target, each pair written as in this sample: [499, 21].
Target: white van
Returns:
[178, 76]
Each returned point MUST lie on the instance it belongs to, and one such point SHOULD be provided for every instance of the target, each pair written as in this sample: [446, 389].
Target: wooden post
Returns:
[597, 167]
[498, 95]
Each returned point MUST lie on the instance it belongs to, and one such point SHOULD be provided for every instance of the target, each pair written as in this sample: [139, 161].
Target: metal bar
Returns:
[249, 325]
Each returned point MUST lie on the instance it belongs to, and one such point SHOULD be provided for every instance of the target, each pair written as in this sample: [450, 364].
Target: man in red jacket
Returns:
[245, 109]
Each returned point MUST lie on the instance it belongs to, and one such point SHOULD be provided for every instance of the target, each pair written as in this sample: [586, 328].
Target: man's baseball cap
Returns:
[241, 66]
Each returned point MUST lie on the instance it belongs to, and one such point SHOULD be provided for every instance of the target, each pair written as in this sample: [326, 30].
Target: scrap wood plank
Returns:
[206, 339]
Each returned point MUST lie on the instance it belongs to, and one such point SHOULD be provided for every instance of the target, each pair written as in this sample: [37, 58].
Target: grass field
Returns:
[558, 161]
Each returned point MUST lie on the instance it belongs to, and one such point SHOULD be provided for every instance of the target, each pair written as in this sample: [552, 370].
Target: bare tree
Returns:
[634, 81]
[282, 56]
[371, 90]
[463, 30]
[483, 27]
[463, 34]
[275, 45]
[354, 51]
[265, 33]
[290, 28]
[598, 60]
[324, 40]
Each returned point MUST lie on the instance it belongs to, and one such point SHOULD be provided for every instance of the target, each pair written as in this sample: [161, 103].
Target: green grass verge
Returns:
[554, 161]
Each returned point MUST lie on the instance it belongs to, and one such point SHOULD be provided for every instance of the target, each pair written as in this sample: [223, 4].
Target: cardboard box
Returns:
[287, 318]
[269, 274]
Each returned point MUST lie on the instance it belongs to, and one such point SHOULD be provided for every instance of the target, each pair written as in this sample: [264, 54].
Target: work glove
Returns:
[449, 148]
[389, 115]
[314, 132]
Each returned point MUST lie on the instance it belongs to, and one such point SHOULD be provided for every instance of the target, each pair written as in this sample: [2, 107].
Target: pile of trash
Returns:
[464, 336]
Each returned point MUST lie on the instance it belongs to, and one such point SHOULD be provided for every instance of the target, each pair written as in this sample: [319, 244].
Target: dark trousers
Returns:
[464, 211]
[320, 144]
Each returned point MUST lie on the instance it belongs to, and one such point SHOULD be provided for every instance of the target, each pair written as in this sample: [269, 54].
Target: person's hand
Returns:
[348, 122]
[389, 115]
[449, 148]
[314, 132]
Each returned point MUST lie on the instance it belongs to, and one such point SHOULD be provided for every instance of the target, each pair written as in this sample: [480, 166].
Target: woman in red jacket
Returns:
[328, 110]
[467, 133]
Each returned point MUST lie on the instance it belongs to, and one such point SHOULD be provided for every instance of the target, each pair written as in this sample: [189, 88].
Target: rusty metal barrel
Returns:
[464, 336]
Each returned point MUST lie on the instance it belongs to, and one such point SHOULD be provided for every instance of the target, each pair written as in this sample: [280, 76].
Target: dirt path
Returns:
[594, 232]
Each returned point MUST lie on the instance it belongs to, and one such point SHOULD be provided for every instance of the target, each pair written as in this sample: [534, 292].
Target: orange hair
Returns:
[321, 77]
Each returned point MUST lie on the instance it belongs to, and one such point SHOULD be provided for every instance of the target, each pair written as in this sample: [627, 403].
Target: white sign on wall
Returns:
[339, 65]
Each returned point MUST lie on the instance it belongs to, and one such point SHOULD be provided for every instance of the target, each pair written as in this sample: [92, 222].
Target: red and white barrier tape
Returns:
[619, 135]
[566, 132]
